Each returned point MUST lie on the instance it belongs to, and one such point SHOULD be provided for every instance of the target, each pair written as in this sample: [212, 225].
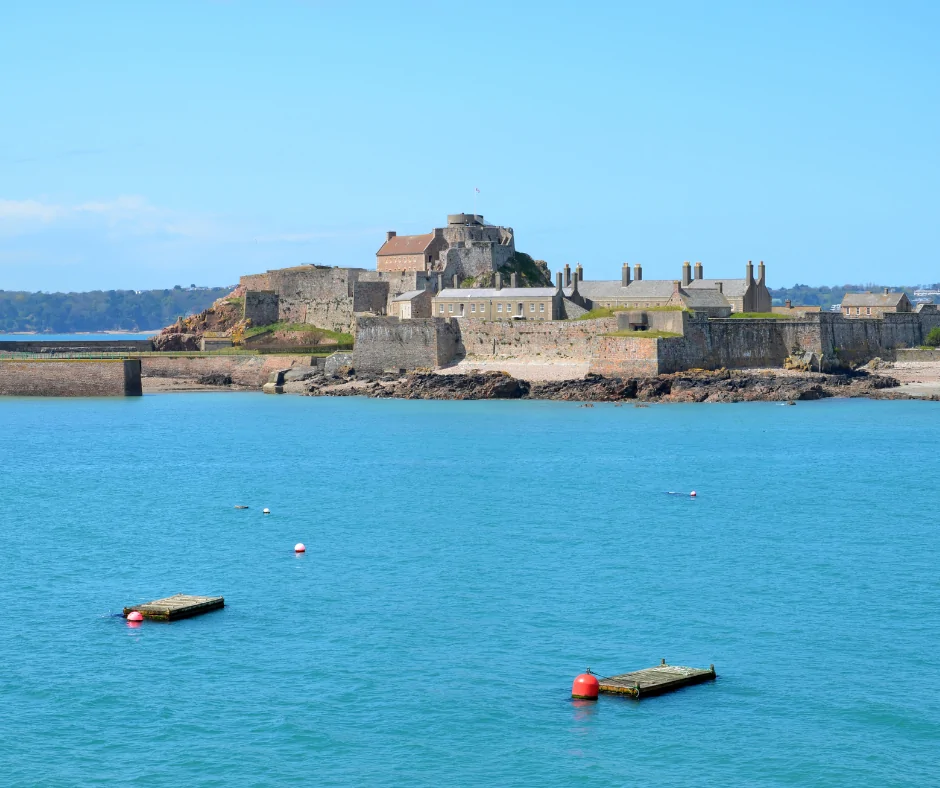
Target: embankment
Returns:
[70, 377]
[251, 371]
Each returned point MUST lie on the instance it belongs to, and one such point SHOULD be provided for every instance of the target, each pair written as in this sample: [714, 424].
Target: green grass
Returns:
[760, 316]
[643, 334]
[609, 311]
[337, 336]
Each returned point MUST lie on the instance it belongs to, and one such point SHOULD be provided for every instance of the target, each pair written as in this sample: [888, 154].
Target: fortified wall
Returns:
[384, 343]
[387, 343]
[70, 377]
[324, 296]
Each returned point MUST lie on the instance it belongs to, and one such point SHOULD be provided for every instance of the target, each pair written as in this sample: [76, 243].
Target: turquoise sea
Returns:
[465, 560]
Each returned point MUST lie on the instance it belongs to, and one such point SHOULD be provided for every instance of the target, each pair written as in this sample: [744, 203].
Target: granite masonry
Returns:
[70, 377]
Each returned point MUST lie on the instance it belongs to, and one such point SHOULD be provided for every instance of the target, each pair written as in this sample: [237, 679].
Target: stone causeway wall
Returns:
[70, 377]
[244, 370]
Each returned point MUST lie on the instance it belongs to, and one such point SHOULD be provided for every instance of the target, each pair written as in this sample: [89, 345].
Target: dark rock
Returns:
[215, 379]
[175, 341]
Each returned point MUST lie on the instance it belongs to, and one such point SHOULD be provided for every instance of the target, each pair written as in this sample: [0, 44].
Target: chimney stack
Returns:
[760, 272]
[574, 284]
[499, 281]
[788, 304]
[514, 279]
[637, 272]
[887, 291]
[625, 275]
[686, 273]
[558, 281]
[389, 235]
[567, 275]
[719, 286]
[675, 287]
[579, 271]
[440, 282]
[698, 271]
[456, 281]
[749, 273]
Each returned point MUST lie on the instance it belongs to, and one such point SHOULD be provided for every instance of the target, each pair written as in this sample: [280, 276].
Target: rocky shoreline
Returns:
[700, 386]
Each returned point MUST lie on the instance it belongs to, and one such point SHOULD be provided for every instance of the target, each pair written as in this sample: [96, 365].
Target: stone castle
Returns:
[466, 247]
[416, 310]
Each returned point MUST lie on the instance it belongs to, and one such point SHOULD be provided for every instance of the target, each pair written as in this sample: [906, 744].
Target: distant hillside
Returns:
[807, 295]
[100, 310]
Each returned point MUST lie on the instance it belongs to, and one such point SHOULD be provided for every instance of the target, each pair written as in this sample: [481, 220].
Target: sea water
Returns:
[465, 560]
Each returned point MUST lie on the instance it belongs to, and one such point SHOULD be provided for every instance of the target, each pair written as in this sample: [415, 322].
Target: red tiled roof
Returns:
[406, 244]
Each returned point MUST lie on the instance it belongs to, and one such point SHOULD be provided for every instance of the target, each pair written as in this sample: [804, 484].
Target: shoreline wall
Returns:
[244, 370]
[70, 378]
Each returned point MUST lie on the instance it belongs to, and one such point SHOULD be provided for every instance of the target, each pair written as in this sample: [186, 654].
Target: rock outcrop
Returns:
[720, 386]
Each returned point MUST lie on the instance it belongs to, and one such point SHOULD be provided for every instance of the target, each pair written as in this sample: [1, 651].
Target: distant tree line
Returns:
[102, 310]
[807, 295]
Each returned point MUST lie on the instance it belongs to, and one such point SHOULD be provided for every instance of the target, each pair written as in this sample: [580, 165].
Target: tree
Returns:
[933, 338]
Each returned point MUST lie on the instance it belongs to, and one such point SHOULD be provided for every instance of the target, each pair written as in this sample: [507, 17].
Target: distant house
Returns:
[874, 304]
[796, 310]
[411, 305]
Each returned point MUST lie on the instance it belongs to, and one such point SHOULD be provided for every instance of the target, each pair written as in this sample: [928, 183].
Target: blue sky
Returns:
[152, 144]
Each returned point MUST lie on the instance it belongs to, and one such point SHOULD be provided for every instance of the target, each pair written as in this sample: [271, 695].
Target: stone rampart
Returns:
[858, 340]
[371, 297]
[621, 357]
[389, 343]
[70, 377]
[261, 307]
[244, 370]
[533, 339]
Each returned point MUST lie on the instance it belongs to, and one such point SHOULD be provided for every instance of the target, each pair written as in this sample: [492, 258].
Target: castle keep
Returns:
[466, 247]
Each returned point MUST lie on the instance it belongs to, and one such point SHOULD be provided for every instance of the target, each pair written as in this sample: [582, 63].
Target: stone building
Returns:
[412, 305]
[743, 295]
[874, 304]
[466, 247]
[500, 303]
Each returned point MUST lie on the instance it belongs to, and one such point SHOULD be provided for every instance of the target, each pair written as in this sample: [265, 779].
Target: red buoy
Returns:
[585, 686]
[134, 615]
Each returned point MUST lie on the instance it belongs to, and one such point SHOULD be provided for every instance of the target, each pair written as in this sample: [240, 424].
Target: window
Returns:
[442, 309]
[858, 310]
[450, 307]
[473, 307]
[868, 310]
[499, 307]
[541, 307]
[531, 307]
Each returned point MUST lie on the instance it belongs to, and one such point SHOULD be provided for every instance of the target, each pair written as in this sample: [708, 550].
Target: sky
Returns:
[151, 144]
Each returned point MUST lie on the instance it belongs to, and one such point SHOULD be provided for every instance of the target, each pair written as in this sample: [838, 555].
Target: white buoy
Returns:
[299, 548]
[266, 511]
